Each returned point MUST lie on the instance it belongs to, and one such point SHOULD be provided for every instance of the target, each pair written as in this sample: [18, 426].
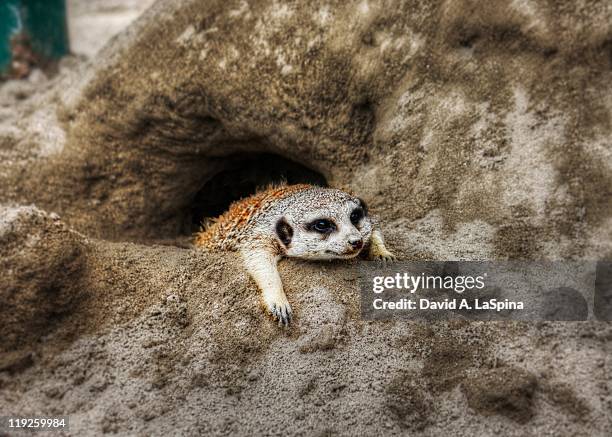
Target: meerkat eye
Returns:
[323, 226]
[357, 215]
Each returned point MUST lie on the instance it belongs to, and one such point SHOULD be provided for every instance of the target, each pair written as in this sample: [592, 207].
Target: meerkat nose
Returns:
[357, 244]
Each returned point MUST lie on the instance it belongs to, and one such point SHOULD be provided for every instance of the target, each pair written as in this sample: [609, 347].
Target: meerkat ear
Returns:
[363, 206]
[284, 231]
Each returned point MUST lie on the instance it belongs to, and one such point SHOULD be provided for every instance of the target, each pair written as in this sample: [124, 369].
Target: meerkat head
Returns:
[324, 224]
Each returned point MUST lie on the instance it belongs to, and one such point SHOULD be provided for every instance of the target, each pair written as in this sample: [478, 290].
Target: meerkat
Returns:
[296, 221]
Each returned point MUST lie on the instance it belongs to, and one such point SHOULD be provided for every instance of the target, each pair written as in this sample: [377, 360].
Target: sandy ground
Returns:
[92, 23]
[474, 132]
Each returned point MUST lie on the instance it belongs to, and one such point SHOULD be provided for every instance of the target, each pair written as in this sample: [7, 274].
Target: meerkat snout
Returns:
[356, 243]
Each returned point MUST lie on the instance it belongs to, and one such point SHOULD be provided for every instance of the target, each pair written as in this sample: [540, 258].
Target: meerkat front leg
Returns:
[378, 250]
[262, 266]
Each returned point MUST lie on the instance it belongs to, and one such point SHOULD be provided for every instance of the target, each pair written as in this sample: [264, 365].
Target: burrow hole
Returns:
[241, 175]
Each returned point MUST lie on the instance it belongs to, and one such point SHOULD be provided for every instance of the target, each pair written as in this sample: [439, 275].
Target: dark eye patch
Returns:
[284, 232]
[363, 206]
[322, 226]
[357, 215]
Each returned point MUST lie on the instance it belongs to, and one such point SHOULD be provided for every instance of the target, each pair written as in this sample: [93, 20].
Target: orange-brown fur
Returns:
[229, 228]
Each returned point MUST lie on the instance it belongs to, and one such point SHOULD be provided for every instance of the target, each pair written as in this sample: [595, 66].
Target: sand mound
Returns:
[475, 132]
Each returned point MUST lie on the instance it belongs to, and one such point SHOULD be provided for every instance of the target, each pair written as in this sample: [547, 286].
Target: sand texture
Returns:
[475, 130]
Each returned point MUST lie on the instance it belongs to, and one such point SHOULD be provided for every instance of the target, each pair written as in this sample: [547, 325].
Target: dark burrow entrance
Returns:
[241, 175]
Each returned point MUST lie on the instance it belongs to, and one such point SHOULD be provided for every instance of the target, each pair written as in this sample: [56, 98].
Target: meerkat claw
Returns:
[387, 257]
[282, 313]
[284, 316]
[289, 315]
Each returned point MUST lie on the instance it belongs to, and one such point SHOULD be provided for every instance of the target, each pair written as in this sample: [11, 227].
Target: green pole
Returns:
[10, 24]
[45, 21]
[42, 22]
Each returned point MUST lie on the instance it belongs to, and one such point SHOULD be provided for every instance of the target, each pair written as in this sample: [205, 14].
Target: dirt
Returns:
[473, 131]
[507, 391]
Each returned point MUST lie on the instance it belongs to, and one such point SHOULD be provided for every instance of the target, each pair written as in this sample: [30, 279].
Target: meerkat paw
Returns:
[280, 310]
[382, 254]
[261, 265]
[378, 250]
